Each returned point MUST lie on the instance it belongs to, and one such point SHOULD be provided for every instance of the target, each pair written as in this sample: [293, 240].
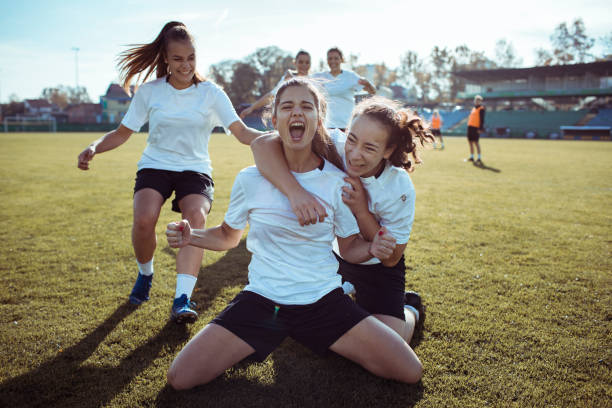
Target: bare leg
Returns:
[401, 327]
[212, 351]
[380, 350]
[147, 205]
[194, 208]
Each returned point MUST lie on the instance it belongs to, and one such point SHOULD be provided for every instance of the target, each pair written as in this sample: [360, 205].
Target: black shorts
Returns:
[436, 132]
[473, 134]
[378, 289]
[264, 324]
[182, 183]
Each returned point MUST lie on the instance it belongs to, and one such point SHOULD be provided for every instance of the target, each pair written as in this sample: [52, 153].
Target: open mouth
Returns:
[296, 130]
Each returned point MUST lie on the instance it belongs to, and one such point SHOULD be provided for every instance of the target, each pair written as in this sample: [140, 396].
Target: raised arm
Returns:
[367, 85]
[271, 163]
[243, 133]
[260, 103]
[107, 142]
[219, 238]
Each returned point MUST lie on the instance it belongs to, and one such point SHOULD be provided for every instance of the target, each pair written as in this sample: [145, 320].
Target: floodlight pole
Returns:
[76, 65]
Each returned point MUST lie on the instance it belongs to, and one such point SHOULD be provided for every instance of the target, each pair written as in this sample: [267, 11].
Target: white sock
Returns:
[146, 269]
[184, 285]
[348, 288]
[413, 310]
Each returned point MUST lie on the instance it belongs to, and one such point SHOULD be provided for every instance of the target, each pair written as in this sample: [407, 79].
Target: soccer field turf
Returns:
[512, 260]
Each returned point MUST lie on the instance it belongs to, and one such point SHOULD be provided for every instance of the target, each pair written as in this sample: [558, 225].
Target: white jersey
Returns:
[290, 264]
[180, 123]
[340, 92]
[391, 197]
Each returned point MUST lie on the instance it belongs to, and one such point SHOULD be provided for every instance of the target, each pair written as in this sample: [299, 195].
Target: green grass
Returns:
[513, 261]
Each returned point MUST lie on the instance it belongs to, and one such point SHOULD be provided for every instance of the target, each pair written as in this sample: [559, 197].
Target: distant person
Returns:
[182, 109]
[340, 86]
[302, 65]
[293, 287]
[436, 126]
[376, 152]
[475, 128]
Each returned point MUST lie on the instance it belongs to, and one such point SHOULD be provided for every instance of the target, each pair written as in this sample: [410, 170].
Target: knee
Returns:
[175, 381]
[414, 374]
[196, 217]
[144, 222]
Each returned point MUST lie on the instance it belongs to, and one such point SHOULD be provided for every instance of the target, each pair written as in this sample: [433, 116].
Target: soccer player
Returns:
[340, 86]
[475, 128]
[294, 289]
[302, 65]
[436, 126]
[182, 109]
[376, 152]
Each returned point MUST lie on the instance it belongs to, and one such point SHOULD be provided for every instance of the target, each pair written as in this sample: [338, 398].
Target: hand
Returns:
[367, 85]
[178, 234]
[246, 112]
[355, 196]
[307, 208]
[85, 157]
[382, 245]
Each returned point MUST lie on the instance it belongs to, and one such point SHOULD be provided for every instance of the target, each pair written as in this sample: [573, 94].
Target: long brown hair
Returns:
[407, 130]
[151, 57]
[322, 144]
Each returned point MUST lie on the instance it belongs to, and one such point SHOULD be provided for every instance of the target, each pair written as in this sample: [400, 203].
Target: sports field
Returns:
[513, 261]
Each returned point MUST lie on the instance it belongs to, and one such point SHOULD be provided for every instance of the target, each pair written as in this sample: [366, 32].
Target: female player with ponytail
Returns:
[182, 109]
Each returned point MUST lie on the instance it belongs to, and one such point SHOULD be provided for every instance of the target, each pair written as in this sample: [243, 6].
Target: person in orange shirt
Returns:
[475, 128]
[436, 125]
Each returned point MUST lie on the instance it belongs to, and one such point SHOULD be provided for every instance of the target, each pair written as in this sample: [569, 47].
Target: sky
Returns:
[38, 38]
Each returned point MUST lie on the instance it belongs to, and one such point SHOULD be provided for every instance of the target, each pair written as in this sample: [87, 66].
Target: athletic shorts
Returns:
[264, 324]
[473, 134]
[436, 132]
[378, 289]
[182, 183]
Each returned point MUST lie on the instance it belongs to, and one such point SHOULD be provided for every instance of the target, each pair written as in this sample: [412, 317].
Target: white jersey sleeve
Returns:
[237, 211]
[138, 112]
[224, 110]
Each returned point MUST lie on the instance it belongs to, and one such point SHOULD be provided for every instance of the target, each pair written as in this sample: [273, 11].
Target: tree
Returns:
[414, 73]
[505, 55]
[271, 63]
[464, 59]
[441, 61]
[243, 87]
[607, 46]
[571, 45]
[63, 96]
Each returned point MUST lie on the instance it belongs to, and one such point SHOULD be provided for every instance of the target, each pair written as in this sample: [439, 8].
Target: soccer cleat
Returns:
[182, 310]
[414, 299]
[140, 291]
[469, 159]
[478, 162]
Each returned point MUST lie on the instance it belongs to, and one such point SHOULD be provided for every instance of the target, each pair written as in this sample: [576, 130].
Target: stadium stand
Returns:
[603, 118]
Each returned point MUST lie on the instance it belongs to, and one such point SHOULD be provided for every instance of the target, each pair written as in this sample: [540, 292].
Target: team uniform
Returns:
[181, 121]
[475, 123]
[340, 94]
[294, 289]
[381, 289]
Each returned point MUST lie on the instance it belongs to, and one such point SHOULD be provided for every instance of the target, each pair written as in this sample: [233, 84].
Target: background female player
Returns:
[294, 289]
[182, 109]
[436, 126]
[302, 65]
[340, 87]
[376, 154]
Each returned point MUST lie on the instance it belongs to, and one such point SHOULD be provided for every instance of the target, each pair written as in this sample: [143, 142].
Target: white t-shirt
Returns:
[180, 123]
[290, 264]
[392, 197]
[340, 91]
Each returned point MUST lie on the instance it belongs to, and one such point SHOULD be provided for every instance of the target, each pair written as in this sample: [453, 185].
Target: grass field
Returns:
[513, 261]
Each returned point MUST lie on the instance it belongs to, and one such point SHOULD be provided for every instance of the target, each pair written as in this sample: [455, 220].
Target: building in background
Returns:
[115, 103]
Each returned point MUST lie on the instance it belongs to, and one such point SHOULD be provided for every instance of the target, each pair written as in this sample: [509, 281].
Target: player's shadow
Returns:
[68, 381]
[483, 166]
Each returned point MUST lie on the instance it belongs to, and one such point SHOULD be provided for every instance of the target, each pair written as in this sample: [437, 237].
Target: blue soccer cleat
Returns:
[140, 292]
[182, 310]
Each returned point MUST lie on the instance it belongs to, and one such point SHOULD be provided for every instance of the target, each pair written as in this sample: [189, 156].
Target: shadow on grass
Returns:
[483, 166]
[67, 381]
[298, 377]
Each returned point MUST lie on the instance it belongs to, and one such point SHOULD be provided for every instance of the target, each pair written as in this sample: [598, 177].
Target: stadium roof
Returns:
[600, 68]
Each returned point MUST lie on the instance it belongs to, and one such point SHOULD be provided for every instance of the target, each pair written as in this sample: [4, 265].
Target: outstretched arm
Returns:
[243, 133]
[107, 142]
[271, 163]
[367, 85]
[219, 238]
[261, 102]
